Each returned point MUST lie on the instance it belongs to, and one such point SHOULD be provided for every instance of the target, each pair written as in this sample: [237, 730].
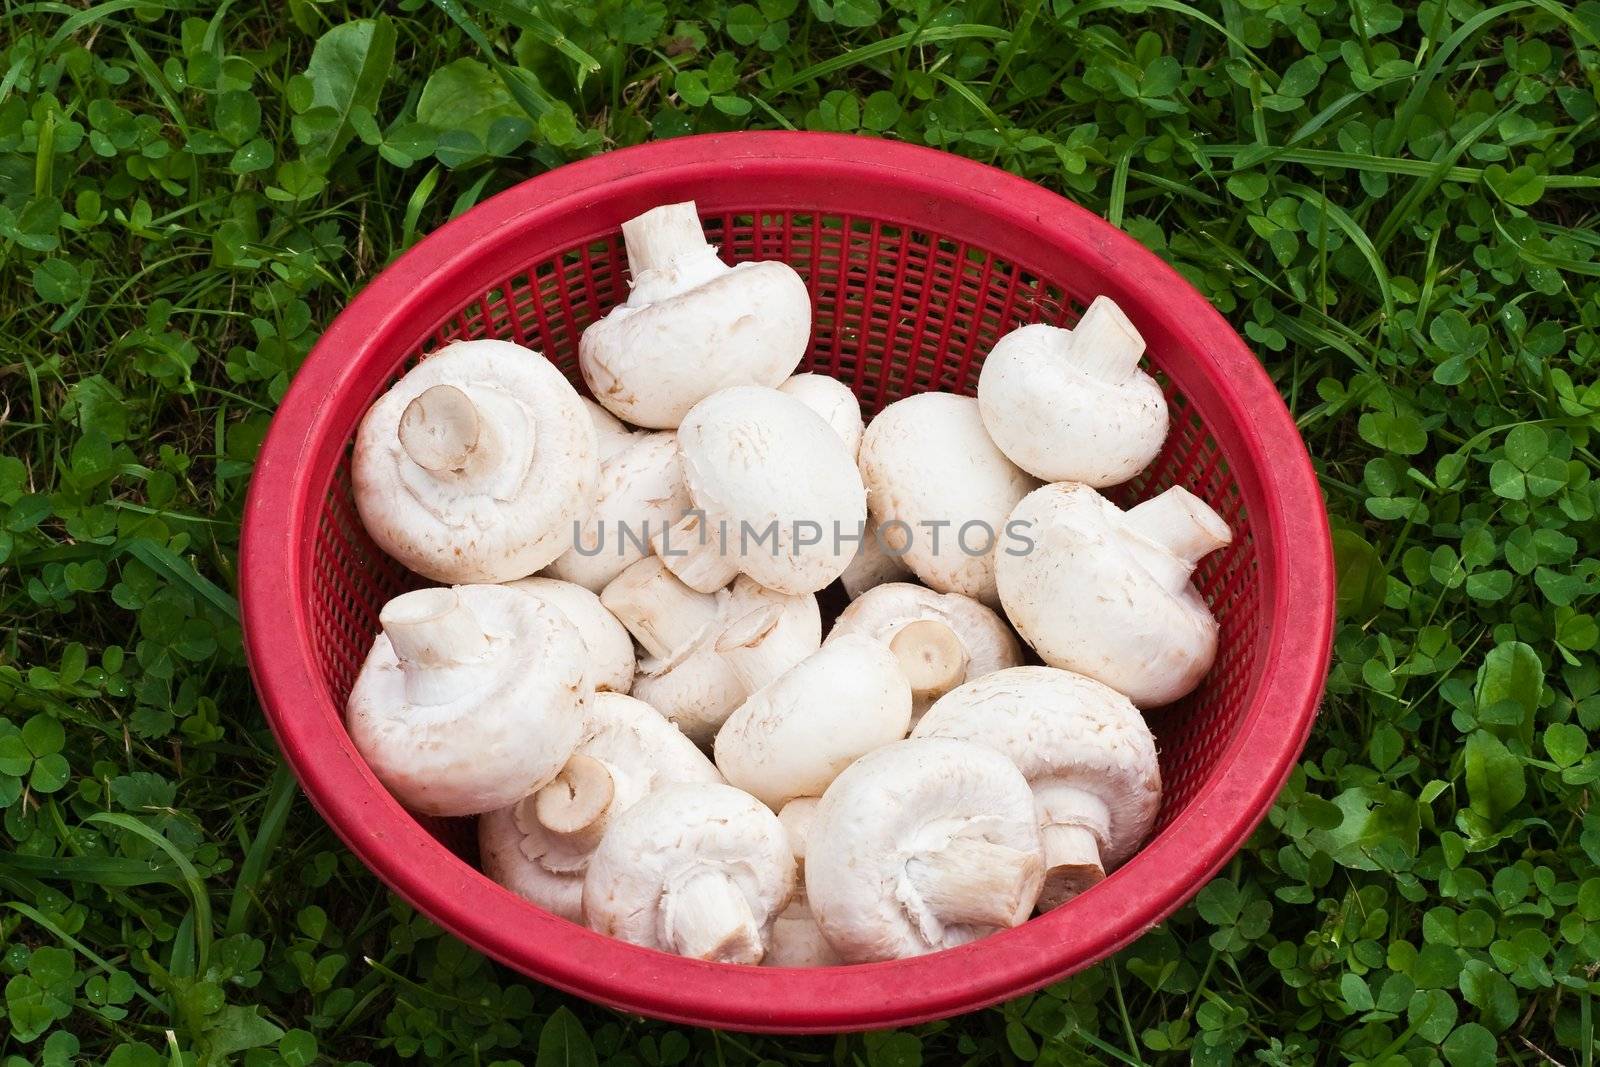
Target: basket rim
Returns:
[278, 530]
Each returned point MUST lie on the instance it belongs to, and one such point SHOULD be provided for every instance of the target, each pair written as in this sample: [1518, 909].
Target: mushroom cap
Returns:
[697, 688]
[641, 750]
[755, 458]
[520, 712]
[1060, 421]
[1060, 727]
[1088, 599]
[611, 659]
[884, 610]
[485, 526]
[640, 490]
[890, 806]
[834, 401]
[678, 832]
[745, 325]
[612, 435]
[927, 459]
[793, 737]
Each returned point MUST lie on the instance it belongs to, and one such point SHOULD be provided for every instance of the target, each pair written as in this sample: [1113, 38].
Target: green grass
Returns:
[1396, 206]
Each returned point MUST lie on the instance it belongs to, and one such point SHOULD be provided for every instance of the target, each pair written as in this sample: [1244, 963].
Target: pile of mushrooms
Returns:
[624, 671]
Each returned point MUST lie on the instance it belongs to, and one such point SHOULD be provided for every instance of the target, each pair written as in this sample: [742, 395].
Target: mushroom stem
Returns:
[756, 649]
[708, 918]
[931, 656]
[975, 882]
[483, 435]
[664, 615]
[695, 549]
[576, 806]
[1074, 822]
[1104, 344]
[434, 635]
[433, 628]
[440, 428]
[1181, 524]
[1072, 863]
[662, 235]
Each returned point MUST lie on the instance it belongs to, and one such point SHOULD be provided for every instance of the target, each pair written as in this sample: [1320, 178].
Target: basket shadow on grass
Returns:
[896, 310]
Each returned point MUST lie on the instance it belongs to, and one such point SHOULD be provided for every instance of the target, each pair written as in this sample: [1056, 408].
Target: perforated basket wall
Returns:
[908, 293]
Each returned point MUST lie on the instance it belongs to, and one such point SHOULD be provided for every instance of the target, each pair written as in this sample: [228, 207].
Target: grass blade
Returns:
[545, 30]
[198, 897]
[175, 568]
[83, 950]
[888, 46]
[280, 799]
[533, 100]
[114, 871]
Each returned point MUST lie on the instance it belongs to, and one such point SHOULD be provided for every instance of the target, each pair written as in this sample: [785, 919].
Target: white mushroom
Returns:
[939, 639]
[935, 479]
[775, 492]
[1073, 405]
[470, 699]
[540, 846]
[692, 324]
[641, 492]
[611, 660]
[797, 940]
[922, 845]
[611, 433]
[700, 870]
[683, 674]
[794, 735]
[874, 563]
[1106, 593]
[833, 400]
[475, 465]
[1085, 750]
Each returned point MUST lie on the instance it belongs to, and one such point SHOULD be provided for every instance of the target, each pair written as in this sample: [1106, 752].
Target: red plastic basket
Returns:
[917, 261]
